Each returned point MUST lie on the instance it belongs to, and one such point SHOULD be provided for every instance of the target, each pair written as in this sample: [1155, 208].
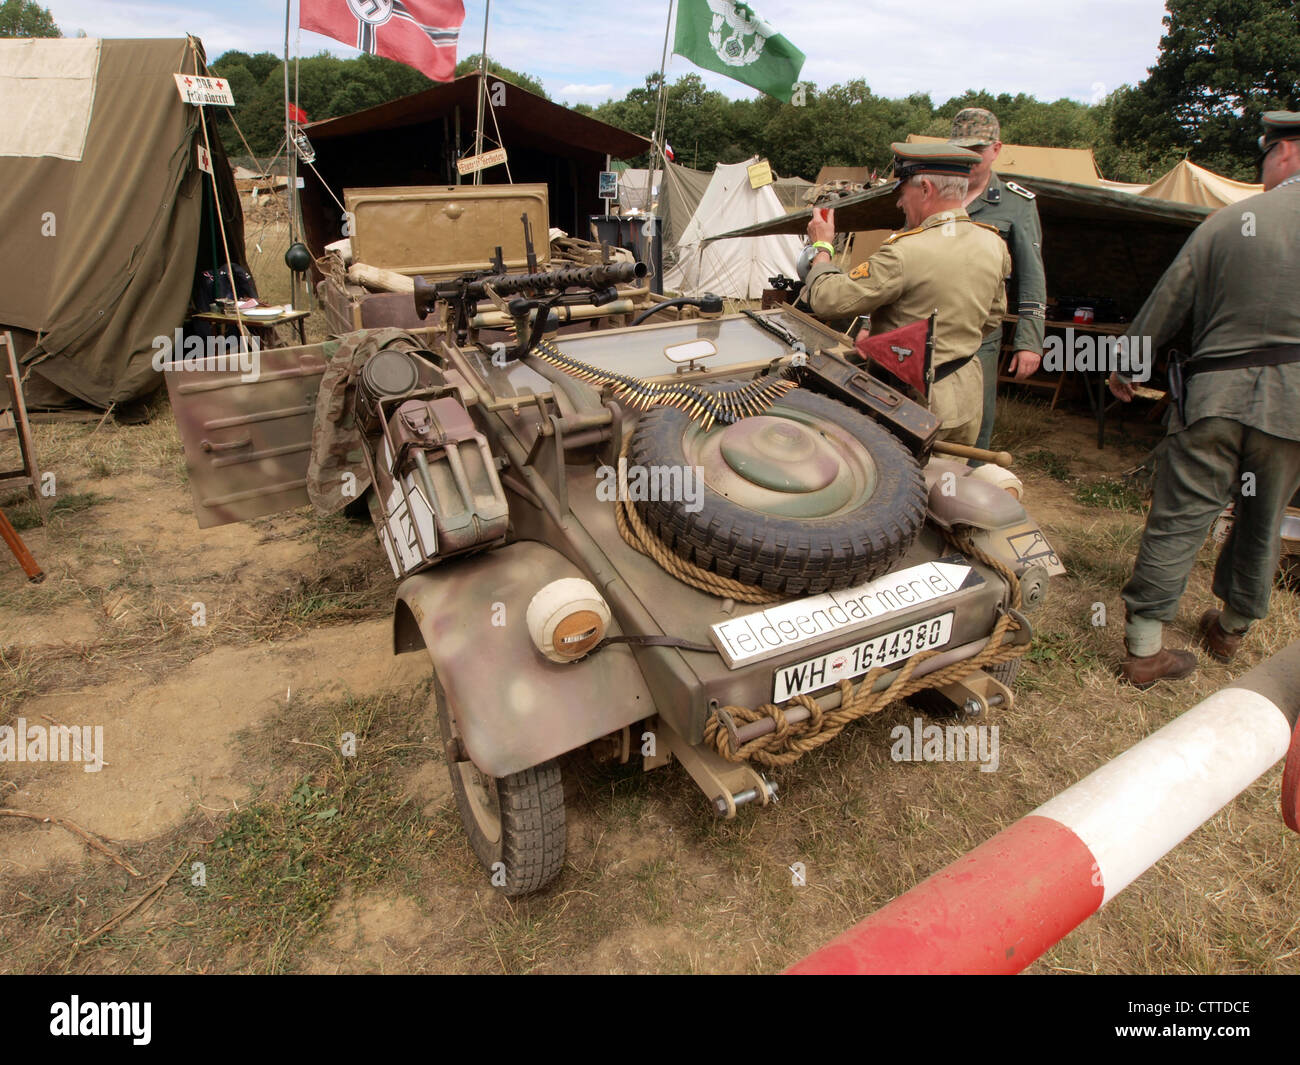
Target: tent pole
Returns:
[661, 104]
[482, 93]
[291, 155]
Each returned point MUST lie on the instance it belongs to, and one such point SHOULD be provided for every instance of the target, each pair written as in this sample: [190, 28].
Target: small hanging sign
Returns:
[205, 160]
[608, 185]
[199, 91]
[760, 174]
[472, 163]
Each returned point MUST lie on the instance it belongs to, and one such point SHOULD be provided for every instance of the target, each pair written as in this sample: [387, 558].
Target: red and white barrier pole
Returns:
[999, 907]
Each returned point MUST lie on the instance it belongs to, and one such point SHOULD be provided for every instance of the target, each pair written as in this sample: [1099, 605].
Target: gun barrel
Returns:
[598, 276]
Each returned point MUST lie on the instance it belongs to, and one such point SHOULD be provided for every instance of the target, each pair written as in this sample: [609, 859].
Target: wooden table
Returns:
[230, 321]
[1094, 384]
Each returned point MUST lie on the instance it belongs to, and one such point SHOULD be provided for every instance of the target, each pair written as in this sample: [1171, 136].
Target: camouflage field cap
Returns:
[910, 159]
[975, 127]
[1279, 126]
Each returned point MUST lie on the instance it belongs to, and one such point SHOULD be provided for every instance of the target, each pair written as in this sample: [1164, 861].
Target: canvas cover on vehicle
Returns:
[102, 208]
[738, 269]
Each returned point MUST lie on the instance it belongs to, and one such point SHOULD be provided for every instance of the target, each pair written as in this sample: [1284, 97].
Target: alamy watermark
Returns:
[1088, 353]
[57, 743]
[226, 354]
[946, 743]
[641, 484]
[77, 1018]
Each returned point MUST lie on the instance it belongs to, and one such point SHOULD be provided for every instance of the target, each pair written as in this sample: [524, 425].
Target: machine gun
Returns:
[536, 292]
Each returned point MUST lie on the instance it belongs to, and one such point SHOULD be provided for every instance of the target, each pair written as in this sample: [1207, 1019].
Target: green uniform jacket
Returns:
[1011, 209]
[1238, 277]
[948, 264]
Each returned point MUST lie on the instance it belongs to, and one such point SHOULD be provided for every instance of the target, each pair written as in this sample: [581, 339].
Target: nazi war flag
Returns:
[419, 33]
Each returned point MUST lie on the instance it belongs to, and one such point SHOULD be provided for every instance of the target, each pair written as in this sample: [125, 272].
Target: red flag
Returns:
[904, 352]
[419, 33]
[297, 114]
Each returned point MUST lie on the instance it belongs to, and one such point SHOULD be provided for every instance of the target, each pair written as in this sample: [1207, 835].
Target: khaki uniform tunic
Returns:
[949, 264]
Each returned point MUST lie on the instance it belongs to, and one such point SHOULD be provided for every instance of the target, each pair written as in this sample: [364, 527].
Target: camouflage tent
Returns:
[1095, 241]
[104, 210]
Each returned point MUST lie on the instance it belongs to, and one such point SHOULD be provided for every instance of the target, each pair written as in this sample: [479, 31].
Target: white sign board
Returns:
[205, 160]
[767, 633]
[199, 91]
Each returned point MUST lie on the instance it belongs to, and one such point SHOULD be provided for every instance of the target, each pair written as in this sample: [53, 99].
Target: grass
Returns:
[24, 514]
[1022, 423]
[1110, 493]
[1047, 462]
[272, 871]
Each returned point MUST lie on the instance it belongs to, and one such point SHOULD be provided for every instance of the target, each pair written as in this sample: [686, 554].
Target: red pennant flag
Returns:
[904, 352]
[419, 33]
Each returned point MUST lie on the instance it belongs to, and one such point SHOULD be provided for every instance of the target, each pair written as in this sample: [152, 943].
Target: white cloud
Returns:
[569, 92]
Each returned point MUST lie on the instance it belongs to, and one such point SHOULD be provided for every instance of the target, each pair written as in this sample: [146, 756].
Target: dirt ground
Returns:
[242, 840]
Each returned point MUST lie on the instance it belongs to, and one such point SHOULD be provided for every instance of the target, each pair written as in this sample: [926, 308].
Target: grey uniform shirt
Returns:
[1238, 276]
[1015, 216]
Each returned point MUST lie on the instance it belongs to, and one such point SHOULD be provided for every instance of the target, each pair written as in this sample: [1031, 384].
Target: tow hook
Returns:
[746, 796]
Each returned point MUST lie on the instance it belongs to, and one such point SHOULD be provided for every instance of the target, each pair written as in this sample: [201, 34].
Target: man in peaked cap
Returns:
[1234, 429]
[943, 262]
[1011, 209]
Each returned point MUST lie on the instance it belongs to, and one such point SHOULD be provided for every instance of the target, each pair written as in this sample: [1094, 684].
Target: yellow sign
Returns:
[481, 162]
[760, 174]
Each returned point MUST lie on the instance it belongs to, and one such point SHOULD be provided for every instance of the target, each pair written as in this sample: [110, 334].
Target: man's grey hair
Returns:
[948, 186]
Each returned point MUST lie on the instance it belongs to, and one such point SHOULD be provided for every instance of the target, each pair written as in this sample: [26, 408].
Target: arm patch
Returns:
[861, 271]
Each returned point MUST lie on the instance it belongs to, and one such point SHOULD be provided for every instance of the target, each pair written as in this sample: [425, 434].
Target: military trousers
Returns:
[1198, 471]
[988, 356]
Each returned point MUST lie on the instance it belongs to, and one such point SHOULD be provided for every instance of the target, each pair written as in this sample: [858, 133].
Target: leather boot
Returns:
[1142, 672]
[1220, 644]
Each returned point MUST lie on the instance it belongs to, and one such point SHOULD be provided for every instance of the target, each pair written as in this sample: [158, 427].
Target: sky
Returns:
[588, 53]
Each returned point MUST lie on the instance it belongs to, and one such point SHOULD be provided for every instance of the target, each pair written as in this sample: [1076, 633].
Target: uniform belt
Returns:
[950, 368]
[1180, 368]
[1259, 357]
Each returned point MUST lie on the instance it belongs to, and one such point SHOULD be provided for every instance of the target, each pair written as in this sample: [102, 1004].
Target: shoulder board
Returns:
[991, 229]
[1020, 190]
[905, 233]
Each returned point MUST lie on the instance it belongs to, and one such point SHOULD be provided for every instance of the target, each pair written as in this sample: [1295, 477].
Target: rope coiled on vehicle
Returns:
[640, 538]
[792, 740]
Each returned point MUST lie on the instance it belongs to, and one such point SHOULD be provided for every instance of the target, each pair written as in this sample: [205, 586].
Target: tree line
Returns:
[1220, 66]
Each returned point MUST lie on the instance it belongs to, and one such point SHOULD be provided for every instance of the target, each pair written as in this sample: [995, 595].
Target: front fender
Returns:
[514, 709]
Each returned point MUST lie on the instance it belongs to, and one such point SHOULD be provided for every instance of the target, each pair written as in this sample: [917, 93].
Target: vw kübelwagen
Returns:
[716, 539]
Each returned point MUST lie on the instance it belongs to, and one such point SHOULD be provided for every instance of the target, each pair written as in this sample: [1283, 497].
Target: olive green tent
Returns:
[104, 210]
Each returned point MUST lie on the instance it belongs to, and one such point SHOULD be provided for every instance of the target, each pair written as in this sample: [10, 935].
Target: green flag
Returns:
[727, 37]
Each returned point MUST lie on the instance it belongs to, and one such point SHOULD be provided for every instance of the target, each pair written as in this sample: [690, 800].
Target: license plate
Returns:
[854, 661]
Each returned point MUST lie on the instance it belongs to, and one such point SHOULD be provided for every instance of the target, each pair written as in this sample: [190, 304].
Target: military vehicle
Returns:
[714, 539]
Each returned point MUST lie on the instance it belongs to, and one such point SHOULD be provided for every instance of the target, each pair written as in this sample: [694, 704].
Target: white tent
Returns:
[737, 268]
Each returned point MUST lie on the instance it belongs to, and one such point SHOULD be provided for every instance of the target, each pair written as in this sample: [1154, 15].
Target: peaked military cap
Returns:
[975, 127]
[1279, 126]
[910, 159]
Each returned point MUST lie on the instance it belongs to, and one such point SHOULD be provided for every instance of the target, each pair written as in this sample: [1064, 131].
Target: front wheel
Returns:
[1005, 673]
[515, 824]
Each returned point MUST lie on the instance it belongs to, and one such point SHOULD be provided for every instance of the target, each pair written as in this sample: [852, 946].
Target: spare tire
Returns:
[806, 497]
